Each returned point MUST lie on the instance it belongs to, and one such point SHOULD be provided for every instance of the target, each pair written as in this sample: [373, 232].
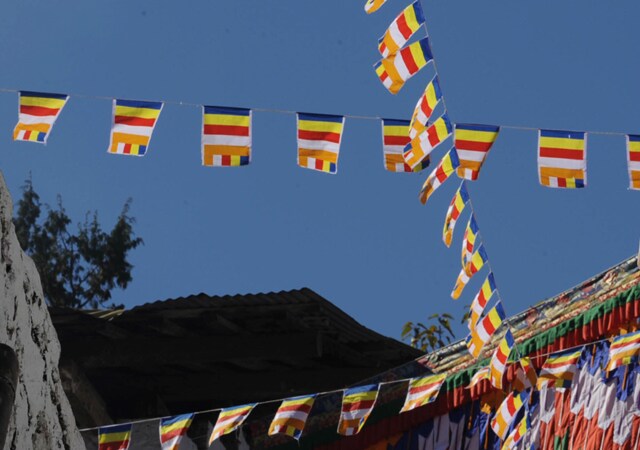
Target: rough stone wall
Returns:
[42, 418]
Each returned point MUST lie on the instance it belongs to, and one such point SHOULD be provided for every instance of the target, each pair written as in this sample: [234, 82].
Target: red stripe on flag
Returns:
[634, 156]
[396, 140]
[477, 146]
[134, 121]
[364, 404]
[407, 57]
[301, 407]
[39, 111]
[550, 152]
[227, 130]
[403, 27]
[319, 136]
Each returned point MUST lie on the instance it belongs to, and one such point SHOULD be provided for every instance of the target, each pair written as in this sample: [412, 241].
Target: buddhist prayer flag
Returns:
[357, 404]
[422, 391]
[133, 124]
[558, 370]
[623, 349]
[482, 332]
[473, 142]
[562, 158]
[506, 413]
[226, 136]
[425, 106]
[173, 429]
[447, 165]
[373, 5]
[292, 416]
[477, 262]
[481, 299]
[405, 64]
[499, 359]
[423, 144]
[517, 434]
[229, 420]
[319, 138]
[115, 437]
[526, 376]
[36, 115]
[456, 206]
[401, 29]
[395, 136]
[482, 374]
[384, 77]
[633, 159]
[469, 240]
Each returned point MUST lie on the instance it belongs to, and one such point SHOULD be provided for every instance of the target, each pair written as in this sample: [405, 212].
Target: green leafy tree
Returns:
[77, 270]
[434, 334]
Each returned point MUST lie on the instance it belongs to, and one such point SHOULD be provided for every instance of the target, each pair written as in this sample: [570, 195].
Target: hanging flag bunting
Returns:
[482, 374]
[133, 124]
[506, 413]
[373, 5]
[229, 420]
[456, 206]
[422, 146]
[401, 30]
[384, 77]
[114, 437]
[357, 404]
[395, 136]
[482, 332]
[173, 429]
[226, 136]
[481, 299]
[447, 165]
[319, 138]
[292, 416]
[469, 240]
[405, 64]
[517, 434]
[562, 158]
[633, 160]
[499, 359]
[422, 391]
[37, 113]
[558, 370]
[425, 106]
[623, 349]
[526, 376]
[473, 143]
[477, 262]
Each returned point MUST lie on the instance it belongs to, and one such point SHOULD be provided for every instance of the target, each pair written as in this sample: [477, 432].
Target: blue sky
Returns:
[359, 238]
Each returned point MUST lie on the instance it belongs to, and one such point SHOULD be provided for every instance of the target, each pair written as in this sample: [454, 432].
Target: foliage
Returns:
[77, 270]
[435, 334]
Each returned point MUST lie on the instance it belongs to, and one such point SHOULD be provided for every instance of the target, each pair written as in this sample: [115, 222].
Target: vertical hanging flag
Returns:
[558, 370]
[456, 206]
[357, 404]
[292, 416]
[229, 420]
[562, 158]
[482, 374]
[226, 136]
[133, 124]
[422, 145]
[633, 160]
[395, 136]
[114, 437]
[517, 434]
[506, 413]
[447, 165]
[481, 299]
[477, 262]
[499, 359]
[319, 138]
[422, 391]
[384, 77]
[401, 30]
[405, 64]
[469, 240]
[526, 376]
[173, 429]
[473, 143]
[373, 5]
[623, 349]
[482, 332]
[425, 106]
[37, 113]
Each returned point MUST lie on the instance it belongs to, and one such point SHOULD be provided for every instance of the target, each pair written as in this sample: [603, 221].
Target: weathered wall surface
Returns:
[42, 418]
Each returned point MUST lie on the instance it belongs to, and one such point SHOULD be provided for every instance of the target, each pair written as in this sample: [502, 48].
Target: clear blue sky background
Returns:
[359, 238]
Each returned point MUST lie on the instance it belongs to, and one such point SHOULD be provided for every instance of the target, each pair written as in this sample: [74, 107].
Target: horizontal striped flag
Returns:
[623, 349]
[226, 136]
[384, 77]
[401, 29]
[357, 404]
[422, 391]
[633, 160]
[469, 239]
[485, 328]
[562, 158]
[373, 5]
[482, 374]
[173, 429]
[132, 127]
[37, 113]
[481, 299]
[422, 145]
[114, 437]
[473, 143]
[506, 413]
[499, 359]
[292, 416]
[319, 137]
[447, 165]
[559, 369]
[395, 136]
[405, 64]
[456, 206]
[477, 262]
[517, 434]
[425, 106]
[526, 376]
[229, 420]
